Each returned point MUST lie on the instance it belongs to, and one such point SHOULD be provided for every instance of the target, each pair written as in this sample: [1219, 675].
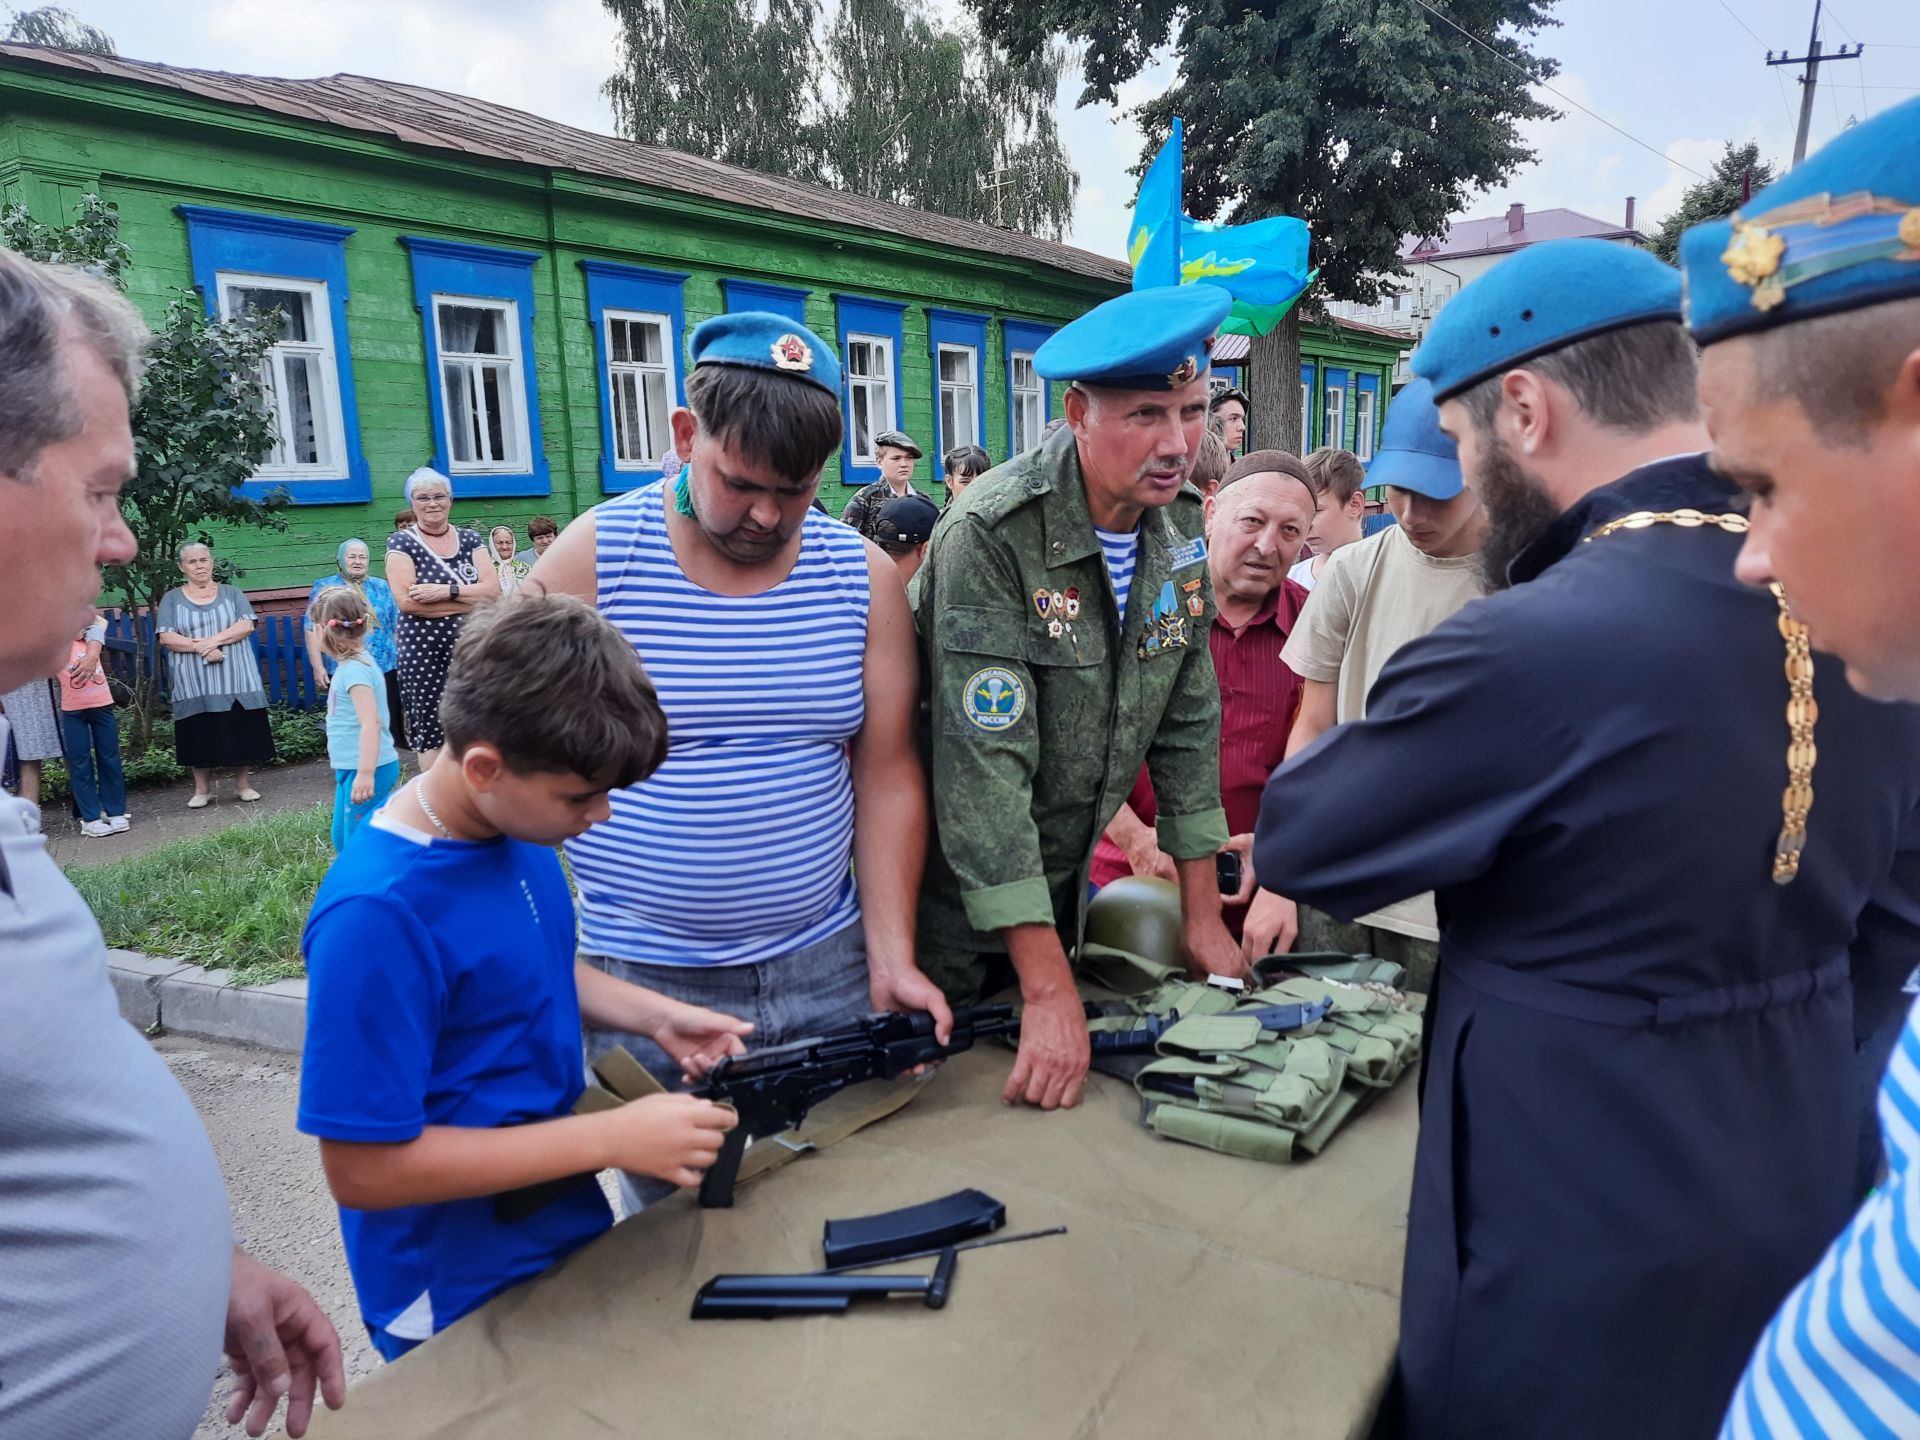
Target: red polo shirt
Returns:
[1259, 697]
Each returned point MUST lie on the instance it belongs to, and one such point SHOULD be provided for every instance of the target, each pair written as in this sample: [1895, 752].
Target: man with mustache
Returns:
[1639, 1115]
[767, 869]
[1064, 608]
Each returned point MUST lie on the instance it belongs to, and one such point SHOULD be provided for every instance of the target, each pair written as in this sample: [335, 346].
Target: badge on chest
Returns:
[1166, 627]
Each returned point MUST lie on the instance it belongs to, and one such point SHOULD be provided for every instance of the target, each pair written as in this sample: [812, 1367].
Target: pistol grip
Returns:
[716, 1186]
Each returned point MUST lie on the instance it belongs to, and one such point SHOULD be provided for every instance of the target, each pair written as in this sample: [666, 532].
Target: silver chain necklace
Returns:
[420, 794]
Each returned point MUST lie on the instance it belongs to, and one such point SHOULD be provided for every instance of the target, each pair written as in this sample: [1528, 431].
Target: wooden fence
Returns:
[280, 642]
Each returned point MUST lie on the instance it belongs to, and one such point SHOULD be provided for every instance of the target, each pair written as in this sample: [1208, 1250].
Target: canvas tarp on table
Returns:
[1196, 1294]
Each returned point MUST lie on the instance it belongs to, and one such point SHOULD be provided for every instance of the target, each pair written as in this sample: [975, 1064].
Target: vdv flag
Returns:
[1263, 262]
[1153, 244]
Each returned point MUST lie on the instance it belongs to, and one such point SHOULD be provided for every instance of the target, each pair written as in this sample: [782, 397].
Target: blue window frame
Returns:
[1306, 408]
[757, 295]
[639, 324]
[244, 262]
[871, 339]
[1336, 406]
[958, 342]
[1029, 398]
[1366, 416]
[476, 314]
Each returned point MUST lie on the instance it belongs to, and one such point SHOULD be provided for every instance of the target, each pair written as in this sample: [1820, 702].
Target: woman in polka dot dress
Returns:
[438, 573]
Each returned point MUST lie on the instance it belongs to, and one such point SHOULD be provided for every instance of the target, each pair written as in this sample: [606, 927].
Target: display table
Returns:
[1195, 1295]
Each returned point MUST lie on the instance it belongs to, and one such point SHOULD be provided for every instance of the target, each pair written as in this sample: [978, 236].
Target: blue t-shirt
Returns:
[343, 720]
[440, 991]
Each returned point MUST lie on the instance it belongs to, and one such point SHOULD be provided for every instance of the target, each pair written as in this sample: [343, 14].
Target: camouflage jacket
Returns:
[1042, 708]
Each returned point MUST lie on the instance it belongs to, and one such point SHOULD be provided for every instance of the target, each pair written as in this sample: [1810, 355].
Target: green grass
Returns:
[235, 900]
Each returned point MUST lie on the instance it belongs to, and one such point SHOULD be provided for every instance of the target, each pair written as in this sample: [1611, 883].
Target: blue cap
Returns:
[1540, 299]
[1155, 339]
[1840, 231]
[762, 340]
[1414, 453]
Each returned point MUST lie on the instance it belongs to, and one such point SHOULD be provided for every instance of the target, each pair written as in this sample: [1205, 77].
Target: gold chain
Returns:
[1797, 800]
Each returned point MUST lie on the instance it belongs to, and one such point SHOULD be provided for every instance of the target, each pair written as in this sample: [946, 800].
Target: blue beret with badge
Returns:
[1839, 232]
[1415, 453]
[1540, 299]
[761, 340]
[1160, 338]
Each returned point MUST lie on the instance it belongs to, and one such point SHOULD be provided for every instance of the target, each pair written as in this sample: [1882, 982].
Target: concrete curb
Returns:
[156, 994]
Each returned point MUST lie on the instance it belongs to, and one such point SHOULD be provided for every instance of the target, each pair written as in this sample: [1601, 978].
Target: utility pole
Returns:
[1813, 60]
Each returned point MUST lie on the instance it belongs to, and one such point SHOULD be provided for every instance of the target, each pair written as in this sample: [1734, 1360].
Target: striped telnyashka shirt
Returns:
[738, 849]
[1122, 549]
[1842, 1358]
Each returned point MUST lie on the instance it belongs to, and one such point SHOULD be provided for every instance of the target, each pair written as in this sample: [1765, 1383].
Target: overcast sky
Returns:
[1681, 75]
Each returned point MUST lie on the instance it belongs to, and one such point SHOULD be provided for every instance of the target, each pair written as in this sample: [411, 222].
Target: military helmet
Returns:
[1139, 914]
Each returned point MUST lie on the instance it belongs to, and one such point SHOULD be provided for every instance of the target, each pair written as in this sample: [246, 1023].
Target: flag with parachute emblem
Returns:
[1153, 242]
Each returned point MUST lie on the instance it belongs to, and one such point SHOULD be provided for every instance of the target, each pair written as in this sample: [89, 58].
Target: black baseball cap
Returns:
[905, 521]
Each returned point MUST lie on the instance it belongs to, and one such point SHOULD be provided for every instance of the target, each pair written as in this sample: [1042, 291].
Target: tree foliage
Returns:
[874, 96]
[59, 29]
[199, 425]
[1736, 174]
[1369, 119]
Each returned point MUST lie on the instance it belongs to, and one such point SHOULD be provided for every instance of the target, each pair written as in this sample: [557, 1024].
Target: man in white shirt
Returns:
[1372, 598]
[115, 1238]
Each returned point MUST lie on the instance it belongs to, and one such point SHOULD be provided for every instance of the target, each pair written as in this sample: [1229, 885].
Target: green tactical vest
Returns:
[1219, 1080]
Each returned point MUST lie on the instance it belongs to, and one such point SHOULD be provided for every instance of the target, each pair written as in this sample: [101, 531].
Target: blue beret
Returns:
[1542, 298]
[762, 340]
[1415, 454]
[1154, 339]
[1839, 232]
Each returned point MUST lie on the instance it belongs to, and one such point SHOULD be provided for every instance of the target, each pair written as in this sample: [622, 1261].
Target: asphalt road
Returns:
[160, 813]
[282, 1213]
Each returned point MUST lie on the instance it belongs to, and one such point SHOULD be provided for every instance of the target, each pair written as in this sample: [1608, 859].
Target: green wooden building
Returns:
[508, 299]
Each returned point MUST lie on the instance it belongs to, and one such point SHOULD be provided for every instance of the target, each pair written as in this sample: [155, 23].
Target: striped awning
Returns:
[1231, 349]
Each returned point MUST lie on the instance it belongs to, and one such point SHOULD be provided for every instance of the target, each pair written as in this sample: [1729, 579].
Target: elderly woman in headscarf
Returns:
[355, 560]
[438, 572]
[213, 678]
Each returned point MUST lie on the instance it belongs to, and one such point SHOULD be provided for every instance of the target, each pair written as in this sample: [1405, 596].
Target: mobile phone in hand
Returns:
[1227, 865]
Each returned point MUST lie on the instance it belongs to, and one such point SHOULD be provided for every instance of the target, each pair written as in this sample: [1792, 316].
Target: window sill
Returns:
[342, 490]
[476, 484]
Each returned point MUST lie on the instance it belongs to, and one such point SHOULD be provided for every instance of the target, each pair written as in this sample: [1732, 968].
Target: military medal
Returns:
[1056, 629]
[1042, 602]
[1059, 601]
[1196, 606]
[1191, 586]
[1073, 604]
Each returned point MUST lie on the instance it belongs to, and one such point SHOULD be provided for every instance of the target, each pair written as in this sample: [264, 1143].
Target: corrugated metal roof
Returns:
[442, 120]
[1234, 349]
[1485, 236]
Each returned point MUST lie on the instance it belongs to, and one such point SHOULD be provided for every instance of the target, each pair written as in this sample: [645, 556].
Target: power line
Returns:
[1779, 84]
[1531, 80]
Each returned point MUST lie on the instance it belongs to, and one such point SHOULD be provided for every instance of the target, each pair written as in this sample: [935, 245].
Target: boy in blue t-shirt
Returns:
[443, 1052]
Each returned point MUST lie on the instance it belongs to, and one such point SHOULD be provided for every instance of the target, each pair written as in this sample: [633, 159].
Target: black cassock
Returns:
[1639, 1111]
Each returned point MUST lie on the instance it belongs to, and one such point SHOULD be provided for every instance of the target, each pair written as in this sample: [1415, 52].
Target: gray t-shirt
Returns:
[116, 1247]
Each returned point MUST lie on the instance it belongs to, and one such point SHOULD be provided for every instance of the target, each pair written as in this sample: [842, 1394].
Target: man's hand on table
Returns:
[279, 1343]
[1051, 1069]
[1208, 948]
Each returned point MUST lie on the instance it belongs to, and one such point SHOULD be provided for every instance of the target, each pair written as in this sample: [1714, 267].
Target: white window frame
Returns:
[1306, 416]
[1026, 427]
[330, 427]
[1365, 407]
[638, 371]
[878, 390]
[1337, 416]
[966, 395]
[520, 460]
